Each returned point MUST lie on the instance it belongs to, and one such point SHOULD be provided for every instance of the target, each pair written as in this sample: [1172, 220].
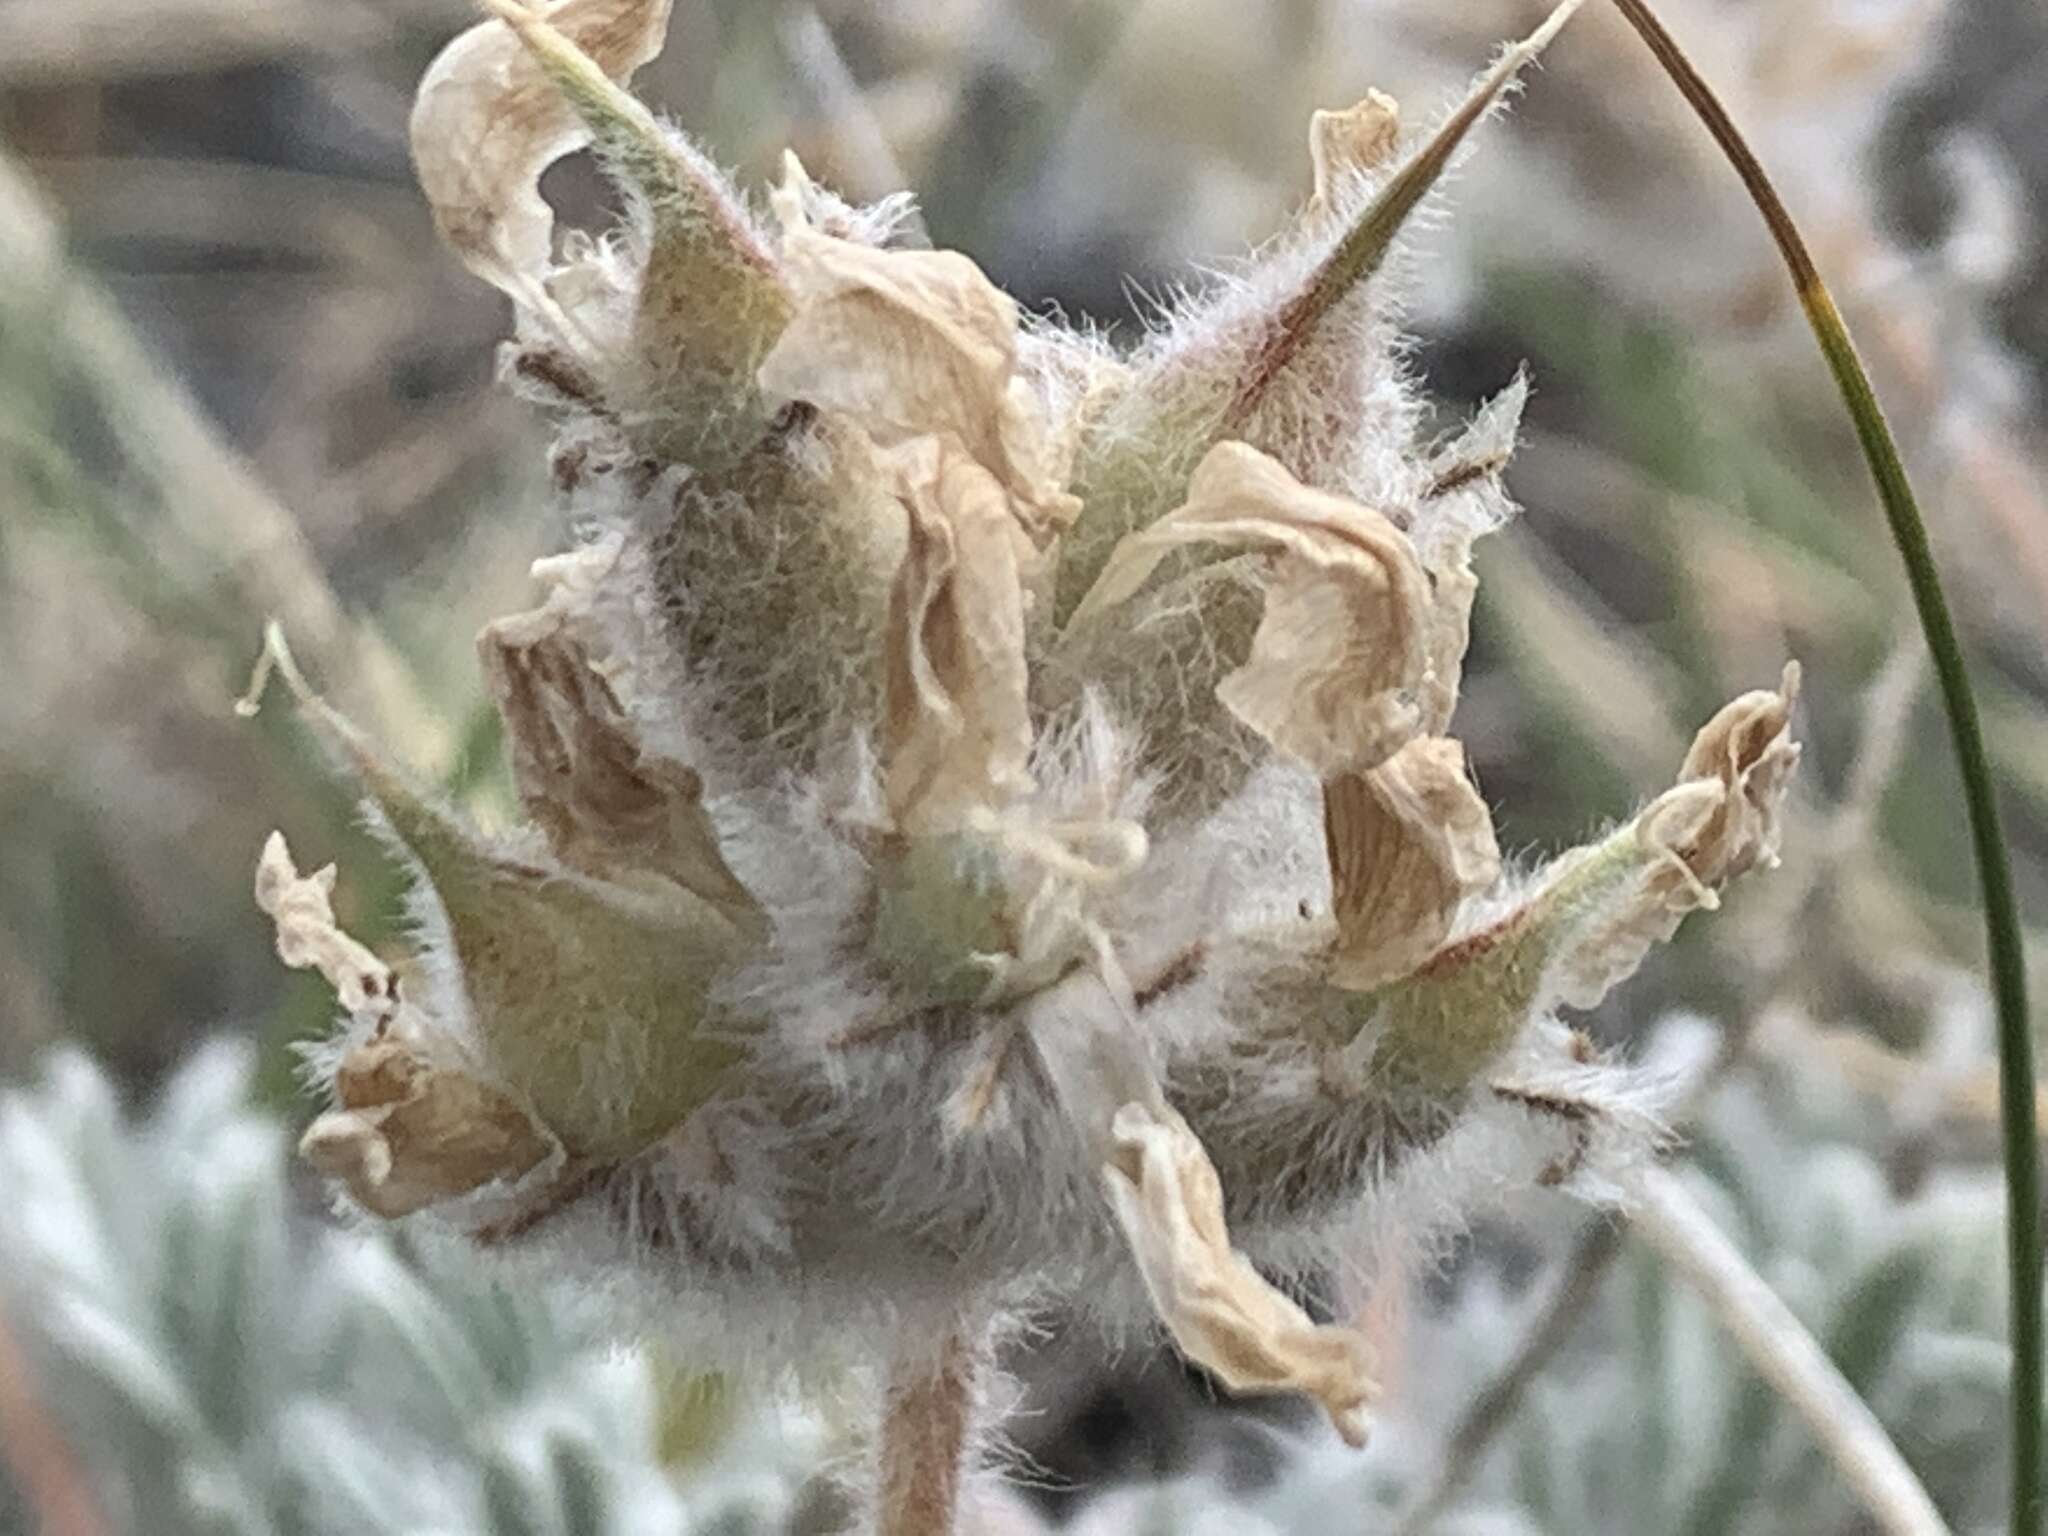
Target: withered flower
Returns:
[932, 757]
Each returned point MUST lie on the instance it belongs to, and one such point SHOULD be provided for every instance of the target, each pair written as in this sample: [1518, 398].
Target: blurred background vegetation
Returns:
[239, 377]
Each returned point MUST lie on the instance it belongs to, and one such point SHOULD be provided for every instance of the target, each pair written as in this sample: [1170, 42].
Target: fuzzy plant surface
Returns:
[992, 839]
[220, 1361]
[304, 1378]
[1647, 1420]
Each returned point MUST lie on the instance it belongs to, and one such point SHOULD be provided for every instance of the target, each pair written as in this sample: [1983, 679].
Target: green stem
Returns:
[2001, 915]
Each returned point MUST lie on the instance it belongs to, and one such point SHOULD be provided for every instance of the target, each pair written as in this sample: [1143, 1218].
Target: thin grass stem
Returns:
[1784, 1354]
[2001, 914]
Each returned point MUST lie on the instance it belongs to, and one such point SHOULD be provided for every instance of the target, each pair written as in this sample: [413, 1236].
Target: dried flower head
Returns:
[934, 756]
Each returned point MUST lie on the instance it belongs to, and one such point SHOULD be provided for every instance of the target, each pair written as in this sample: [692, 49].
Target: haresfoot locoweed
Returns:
[992, 833]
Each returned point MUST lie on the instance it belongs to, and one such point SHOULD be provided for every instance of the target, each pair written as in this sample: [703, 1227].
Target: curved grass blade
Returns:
[2001, 915]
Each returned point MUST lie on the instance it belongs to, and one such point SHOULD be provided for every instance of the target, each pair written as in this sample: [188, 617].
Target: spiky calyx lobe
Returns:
[1300, 359]
[1590, 918]
[509, 97]
[574, 987]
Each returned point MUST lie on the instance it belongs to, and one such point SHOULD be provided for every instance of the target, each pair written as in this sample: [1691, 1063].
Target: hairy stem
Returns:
[2001, 915]
[927, 1417]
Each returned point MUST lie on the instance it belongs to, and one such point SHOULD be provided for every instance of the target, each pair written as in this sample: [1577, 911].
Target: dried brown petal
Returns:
[1362, 137]
[409, 1133]
[487, 122]
[1342, 646]
[957, 730]
[308, 937]
[1718, 822]
[1221, 1312]
[1408, 842]
[1748, 749]
[607, 806]
[914, 344]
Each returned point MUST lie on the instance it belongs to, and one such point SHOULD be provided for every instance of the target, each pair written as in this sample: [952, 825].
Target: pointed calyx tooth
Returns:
[1478, 454]
[1361, 251]
[1342, 644]
[1408, 842]
[589, 998]
[409, 1132]
[1362, 137]
[956, 730]
[1588, 921]
[1223, 1314]
[1465, 500]
[711, 297]
[607, 805]
[913, 344]
[795, 198]
[309, 938]
[487, 122]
